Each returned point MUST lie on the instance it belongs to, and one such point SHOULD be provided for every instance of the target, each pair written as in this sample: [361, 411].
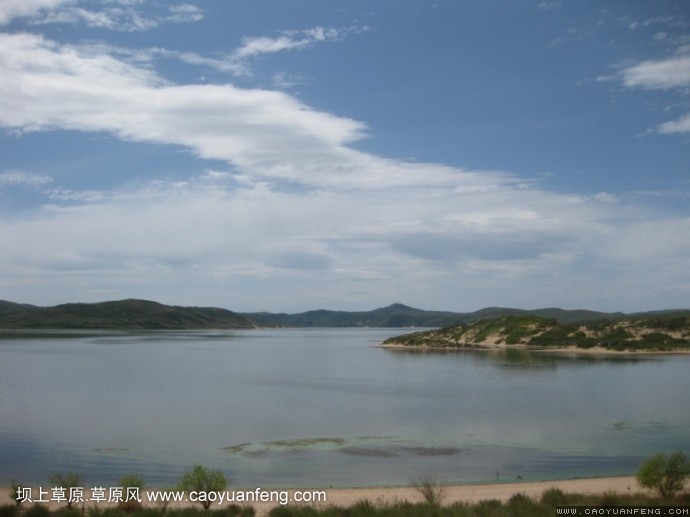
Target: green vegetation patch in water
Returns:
[305, 442]
[373, 446]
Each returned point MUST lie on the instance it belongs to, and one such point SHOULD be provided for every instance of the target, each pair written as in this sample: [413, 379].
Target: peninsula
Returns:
[663, 333]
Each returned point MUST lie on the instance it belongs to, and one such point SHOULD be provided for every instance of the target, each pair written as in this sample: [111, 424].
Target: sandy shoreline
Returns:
[453, 493]
[483, 347]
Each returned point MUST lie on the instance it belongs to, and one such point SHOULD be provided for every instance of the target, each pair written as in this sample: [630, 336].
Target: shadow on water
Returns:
[527, 359]
[106, 337]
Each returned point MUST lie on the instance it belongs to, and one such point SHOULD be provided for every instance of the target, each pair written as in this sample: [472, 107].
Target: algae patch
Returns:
[371, 446]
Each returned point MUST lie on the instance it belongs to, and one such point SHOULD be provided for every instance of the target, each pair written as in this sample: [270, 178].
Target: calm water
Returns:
[276, 408]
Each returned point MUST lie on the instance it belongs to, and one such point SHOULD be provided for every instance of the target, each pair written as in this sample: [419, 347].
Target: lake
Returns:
[322, 407]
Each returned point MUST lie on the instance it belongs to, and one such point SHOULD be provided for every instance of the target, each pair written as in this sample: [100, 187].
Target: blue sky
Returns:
[291, 155]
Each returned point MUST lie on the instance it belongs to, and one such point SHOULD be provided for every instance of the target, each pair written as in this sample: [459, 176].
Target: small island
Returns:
[666, 333]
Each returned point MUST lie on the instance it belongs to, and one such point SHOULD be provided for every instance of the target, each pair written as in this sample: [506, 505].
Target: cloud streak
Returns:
[22, 178]
[16, 9]
[238, 62]
[118, 15]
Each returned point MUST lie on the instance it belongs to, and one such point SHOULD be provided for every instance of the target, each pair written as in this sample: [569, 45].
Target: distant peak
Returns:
[400, 306]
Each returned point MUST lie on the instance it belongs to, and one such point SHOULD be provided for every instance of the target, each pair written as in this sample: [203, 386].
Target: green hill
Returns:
[653, 332]
[399, 315]
[134, 314]
[119, 315]
[10, 307]
[396, 315]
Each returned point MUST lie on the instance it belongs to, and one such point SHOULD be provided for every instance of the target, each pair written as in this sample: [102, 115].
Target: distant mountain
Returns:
[560, 315]
[396, 315]
[119, 315]
[9, 307]
[399, 315]
[147, 315]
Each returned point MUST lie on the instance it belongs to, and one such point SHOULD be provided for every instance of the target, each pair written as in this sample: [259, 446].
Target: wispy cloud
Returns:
[671, 21]
[185, 13]
[13, 9]
[283, 81]
[81, 196]
[548, 5]
[23, 178]
[44, 185]
[289, 40]
[119, 15]
[253, 47]
[239, 61]
[662, 74]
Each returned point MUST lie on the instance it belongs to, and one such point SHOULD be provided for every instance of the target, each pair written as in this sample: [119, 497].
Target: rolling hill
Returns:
[399, 315]
[132, 314]
[119, 315]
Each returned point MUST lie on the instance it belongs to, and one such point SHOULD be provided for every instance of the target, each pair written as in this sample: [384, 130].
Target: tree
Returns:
[203, 481]
[666, 474]
[131, 482]
[431, 489]
[15, 492]
[68, 482]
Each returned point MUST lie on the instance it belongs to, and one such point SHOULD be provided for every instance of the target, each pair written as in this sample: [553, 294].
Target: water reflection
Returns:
[514, 357]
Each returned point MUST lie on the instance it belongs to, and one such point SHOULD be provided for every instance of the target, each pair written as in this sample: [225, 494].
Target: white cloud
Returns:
[237, 62]
[117, 18]
[12, 9]
[548, 5]
[682, 125]
[222, 64]
[672, 21]
[17, 178]
[367, 247]
[661, 74]
[185, 13]
[63, 194]
[51, 86]
[253, 47]
[44, 184]
[257, 230]
[119, 15]
[296, 201]
[289, 40]
[283, 81]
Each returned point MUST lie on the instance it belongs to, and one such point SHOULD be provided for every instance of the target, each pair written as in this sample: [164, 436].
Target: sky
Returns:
[288, 155]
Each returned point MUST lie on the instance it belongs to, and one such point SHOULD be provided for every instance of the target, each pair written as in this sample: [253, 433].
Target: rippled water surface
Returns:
[322, 407]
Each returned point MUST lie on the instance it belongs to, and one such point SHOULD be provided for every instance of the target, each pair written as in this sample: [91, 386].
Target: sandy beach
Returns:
[488, 347]
[453, 493]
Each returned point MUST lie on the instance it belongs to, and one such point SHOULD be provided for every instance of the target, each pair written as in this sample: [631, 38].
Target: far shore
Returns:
[345, 497]
[595, 350]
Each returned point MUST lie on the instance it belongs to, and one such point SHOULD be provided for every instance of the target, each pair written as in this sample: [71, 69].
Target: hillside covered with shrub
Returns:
[652, 333]
[121, 315]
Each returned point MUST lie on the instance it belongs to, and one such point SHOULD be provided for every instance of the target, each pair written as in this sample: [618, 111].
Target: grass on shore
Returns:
[519, 505]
